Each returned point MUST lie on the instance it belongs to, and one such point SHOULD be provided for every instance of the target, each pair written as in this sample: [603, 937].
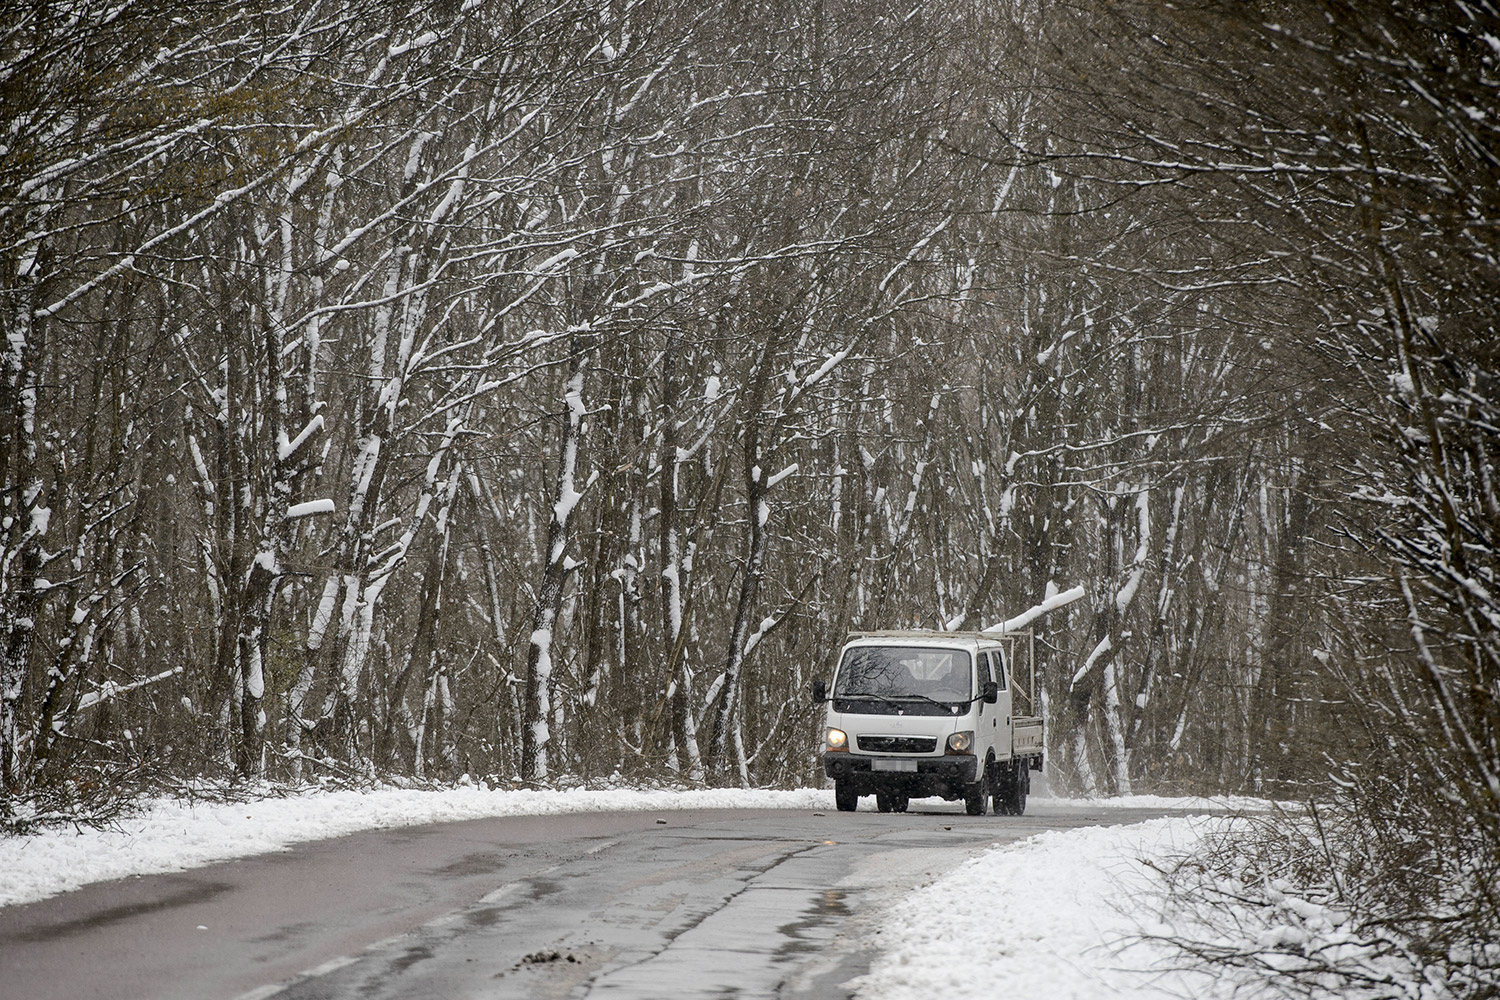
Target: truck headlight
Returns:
[961, 742]
[835, 739]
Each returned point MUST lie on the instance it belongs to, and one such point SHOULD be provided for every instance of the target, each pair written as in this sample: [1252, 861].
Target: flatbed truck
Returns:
[917, 713]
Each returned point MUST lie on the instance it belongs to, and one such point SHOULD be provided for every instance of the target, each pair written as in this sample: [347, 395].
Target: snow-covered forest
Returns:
[542, 389]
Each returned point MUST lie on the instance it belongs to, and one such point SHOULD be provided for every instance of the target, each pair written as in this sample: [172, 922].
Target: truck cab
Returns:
[913, 714]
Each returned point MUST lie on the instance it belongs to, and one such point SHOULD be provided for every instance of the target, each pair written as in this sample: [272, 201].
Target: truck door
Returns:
[993, 724]
[1001, 708]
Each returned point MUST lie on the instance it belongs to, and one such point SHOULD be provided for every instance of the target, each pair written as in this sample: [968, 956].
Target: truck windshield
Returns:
[905, 677]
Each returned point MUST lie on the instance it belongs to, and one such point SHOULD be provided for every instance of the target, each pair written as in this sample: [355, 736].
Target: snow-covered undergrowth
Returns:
[1067, 915]
[1276, 938]
[1291, 905]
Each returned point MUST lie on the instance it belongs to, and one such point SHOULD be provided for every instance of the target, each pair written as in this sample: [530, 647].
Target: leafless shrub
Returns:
[1307, 904]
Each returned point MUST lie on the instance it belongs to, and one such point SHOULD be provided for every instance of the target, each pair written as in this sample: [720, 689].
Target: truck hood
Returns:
[937, 726]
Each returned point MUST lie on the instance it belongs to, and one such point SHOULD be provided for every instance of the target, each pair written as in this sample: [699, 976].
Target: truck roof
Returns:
[930, 637]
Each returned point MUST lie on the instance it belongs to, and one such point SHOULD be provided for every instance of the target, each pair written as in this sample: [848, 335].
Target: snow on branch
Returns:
[916, 249]
[779, 476]
[286, 449]
[110, 689]
[766, 625]
[296, 510]
[1100, 650]
[1025, 618]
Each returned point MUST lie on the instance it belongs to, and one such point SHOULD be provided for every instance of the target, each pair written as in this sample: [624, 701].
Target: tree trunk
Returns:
[535, 723]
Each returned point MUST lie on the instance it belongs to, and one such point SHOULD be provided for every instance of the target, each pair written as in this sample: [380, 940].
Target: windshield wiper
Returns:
[864, 695]
[930, 701]
[897, 699]
[948, 706]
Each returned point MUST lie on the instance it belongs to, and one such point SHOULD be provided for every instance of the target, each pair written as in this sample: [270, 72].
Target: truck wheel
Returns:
[1023, 786]
[974, 796]
[844, 796]
[1015, 788]
[900, 802]
[883, 801]
[999, 791]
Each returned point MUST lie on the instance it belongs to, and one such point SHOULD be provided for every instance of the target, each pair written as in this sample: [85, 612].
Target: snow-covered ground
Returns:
[1052, 916]
[1065, 915]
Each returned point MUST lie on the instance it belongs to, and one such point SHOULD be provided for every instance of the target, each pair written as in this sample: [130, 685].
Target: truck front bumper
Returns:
[945, 776]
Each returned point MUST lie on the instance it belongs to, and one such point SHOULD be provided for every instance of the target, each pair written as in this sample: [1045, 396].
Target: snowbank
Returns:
[1192, 803]
[1057, 916]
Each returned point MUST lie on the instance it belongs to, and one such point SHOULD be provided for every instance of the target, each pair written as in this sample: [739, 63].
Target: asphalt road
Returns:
[741, 903]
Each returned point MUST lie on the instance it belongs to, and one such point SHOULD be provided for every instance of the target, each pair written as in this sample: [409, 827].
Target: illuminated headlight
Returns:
[835, 739]
[961, 742]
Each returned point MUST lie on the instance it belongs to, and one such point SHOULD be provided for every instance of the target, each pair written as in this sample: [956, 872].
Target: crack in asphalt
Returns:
[671, 937]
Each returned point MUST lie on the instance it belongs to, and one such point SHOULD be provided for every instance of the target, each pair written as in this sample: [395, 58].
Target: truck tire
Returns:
[1016, 782]
[884, 801]
[999, 795]
[844, 796]
[900, 802]
[974, 796]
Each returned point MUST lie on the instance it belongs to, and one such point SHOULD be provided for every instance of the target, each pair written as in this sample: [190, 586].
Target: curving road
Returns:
[742, 903]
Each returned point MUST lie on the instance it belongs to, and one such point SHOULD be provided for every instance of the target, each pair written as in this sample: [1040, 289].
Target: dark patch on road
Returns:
[473, 864]
[541, 888]
[484, 916]
[411, 956]
[194, 892]
[285, 933]
[827, 911]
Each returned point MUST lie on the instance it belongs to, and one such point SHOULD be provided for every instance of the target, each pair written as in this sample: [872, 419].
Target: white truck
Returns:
[918, 713]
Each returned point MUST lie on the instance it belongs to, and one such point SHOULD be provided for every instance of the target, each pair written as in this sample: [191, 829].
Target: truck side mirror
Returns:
[991, 692]
[819, 692]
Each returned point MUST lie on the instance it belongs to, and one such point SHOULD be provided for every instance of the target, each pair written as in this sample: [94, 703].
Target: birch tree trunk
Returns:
[684, 728]
[536, 734]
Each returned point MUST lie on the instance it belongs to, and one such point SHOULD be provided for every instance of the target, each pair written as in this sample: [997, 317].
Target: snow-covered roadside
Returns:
[1060, 915]
[1197, 804]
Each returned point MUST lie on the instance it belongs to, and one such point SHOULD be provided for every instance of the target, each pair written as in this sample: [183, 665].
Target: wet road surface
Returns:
[712, 903]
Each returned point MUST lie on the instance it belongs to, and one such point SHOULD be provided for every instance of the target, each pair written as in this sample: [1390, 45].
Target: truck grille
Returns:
[897, 744]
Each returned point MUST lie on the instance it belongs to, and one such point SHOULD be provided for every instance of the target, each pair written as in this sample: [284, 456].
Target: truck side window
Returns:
[1000, 669]
[984, 670]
